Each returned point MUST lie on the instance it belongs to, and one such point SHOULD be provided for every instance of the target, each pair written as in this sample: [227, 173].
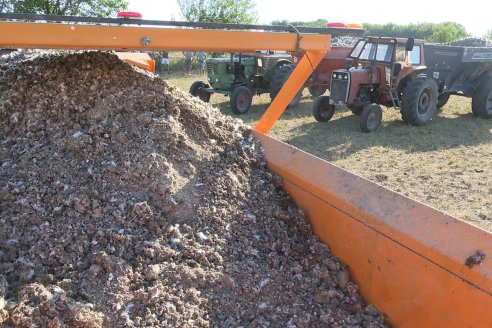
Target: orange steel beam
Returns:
[103, 37]
[408, 258]
[296, 80]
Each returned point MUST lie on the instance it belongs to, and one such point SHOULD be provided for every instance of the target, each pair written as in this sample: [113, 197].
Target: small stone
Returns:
[343, 279]
[152, 272]
[371, 310]
[322, 297]
[57, 210]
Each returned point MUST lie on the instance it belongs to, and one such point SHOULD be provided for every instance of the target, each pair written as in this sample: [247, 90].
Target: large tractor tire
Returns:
[419, 101]
[370, 119]
[482, 99]
[279, 77]
[322, 110]
[241, 99]
[197, 89]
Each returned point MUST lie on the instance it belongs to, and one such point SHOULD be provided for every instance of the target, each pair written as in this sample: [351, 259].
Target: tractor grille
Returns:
[339, 87]
[213, 68]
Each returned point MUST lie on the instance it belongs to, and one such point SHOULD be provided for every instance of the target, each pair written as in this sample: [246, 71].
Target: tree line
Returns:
[97, 8]
[431, 32]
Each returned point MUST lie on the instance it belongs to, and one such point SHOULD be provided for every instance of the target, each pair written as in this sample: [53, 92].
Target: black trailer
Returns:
[463, 71]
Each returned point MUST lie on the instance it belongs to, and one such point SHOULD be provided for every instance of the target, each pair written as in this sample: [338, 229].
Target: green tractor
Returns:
[240, 77]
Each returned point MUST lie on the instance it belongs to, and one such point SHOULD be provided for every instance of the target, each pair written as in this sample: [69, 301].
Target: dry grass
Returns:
[446, 164]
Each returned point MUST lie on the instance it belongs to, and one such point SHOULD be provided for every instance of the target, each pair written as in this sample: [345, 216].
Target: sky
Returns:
[474, 15]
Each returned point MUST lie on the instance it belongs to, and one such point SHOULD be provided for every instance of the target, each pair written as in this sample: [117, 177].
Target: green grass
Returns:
[446, 164]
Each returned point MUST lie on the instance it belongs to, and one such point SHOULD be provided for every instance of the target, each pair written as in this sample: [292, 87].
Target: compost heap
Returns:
[125, 202]
[472, 42]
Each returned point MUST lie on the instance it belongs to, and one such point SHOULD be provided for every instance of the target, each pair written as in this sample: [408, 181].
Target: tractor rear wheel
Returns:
[370, 118]
[419, 101]
[442, 99]
[322, 110]
[241, 99]
[482, 99]
[317, 91]
[197, 89]
[279, 77]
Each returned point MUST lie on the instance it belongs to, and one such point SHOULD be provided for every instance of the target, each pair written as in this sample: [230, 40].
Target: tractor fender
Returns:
[419, 71]
[279, 63]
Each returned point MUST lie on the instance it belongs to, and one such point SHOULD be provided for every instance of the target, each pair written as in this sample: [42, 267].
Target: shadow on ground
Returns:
[343, 133]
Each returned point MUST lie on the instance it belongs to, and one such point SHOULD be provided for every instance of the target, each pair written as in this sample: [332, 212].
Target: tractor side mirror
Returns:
[410, 43]
[348, 63]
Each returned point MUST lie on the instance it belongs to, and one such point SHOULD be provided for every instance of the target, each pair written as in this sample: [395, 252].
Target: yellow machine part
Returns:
[142, 60]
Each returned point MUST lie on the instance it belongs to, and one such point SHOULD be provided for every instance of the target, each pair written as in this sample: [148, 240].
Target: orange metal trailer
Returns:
[419, 266]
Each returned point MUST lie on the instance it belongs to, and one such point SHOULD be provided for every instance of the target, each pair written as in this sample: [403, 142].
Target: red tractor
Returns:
[382, 71]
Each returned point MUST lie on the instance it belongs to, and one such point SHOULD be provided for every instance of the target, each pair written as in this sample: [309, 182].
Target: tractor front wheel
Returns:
[370, 118]
[322, 110]
[197, 89]
[419, 101]
[241, 99]
[482, 99]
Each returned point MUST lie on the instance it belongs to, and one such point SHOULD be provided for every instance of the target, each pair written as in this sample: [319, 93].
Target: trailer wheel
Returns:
[197, 90]
[482, 99]
[317, 91]
[279, 77]
[370, 118]
[241, 99]
[322, 110]
[442, 99]
[419, 101]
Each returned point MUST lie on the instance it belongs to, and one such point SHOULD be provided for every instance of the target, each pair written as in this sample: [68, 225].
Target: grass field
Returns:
[446, 164]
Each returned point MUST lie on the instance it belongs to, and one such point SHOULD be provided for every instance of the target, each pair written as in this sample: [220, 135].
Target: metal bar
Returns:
[296, 80]
[127, 21]
[104, 37]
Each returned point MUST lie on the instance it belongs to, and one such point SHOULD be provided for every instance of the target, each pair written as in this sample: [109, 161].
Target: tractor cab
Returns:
[395, 57]
[378, 69]
[380, 65]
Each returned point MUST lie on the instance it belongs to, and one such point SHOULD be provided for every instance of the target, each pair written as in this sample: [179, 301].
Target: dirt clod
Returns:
[125, 202]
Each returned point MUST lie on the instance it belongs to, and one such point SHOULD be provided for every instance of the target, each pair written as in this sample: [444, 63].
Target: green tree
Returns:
[316, 23]
[441, 33]
[219, 11]
[100, 8]
[447, 32]
[5, 6]
[488, 35]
